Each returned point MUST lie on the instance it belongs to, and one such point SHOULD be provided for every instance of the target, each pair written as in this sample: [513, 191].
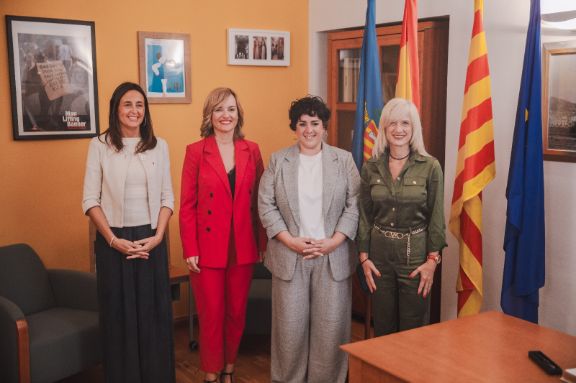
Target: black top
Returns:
[232, 180]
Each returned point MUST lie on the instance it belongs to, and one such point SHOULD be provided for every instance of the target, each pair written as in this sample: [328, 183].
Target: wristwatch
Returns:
[435, 257]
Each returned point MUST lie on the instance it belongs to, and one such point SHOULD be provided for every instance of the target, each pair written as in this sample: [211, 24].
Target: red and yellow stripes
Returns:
[370, 133]
[474, 170]
[408, 85]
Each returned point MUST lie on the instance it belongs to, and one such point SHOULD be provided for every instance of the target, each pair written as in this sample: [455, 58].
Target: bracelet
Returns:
[112, 240]
[365, 259]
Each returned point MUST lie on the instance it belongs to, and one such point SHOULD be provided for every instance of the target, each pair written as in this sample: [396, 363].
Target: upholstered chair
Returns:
[48, 319]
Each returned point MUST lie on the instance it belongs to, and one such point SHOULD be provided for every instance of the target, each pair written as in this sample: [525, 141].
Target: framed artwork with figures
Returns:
[52, 64]
[164, 60]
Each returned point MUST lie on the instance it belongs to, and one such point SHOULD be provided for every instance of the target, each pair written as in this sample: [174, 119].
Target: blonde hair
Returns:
[391, 112]
[214, 98]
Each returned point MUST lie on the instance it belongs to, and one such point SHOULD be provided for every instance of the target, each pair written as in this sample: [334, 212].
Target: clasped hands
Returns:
[312, 248]
[136, 249]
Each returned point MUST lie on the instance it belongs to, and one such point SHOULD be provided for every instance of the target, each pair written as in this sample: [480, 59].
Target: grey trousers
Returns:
[311, 318]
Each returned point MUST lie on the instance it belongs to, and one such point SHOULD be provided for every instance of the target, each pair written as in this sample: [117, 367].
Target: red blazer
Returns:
[207, 210]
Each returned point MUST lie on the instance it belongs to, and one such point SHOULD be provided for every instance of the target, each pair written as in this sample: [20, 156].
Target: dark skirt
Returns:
[135, 311]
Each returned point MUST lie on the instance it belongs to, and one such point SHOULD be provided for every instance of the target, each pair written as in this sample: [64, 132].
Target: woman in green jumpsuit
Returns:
[401, 230]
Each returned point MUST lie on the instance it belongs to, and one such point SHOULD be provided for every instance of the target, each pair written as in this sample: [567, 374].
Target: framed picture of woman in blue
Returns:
[165, 66]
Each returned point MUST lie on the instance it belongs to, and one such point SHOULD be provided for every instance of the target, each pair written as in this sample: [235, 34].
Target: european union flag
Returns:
[369, 100]
[524, 238]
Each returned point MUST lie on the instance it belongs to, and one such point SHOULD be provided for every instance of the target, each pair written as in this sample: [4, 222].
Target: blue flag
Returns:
[369, 100]
[524, 238]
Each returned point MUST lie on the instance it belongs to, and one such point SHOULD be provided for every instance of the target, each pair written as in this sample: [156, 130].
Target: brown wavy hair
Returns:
[113, 135]
[214, 98]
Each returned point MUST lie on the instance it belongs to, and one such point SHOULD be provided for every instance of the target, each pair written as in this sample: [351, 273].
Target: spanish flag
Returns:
[408, 85]
[474, 170]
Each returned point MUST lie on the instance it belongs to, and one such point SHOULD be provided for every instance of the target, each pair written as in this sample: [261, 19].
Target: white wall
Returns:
[505, 23]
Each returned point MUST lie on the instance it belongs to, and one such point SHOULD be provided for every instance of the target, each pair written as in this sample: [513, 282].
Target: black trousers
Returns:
[135, 311]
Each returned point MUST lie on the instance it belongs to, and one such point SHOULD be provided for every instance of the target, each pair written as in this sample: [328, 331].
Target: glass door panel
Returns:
[348, 73]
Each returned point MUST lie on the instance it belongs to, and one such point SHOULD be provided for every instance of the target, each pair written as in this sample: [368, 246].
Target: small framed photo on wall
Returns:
[164, 60]
[258, 47]
[559, 101]
[53, 85]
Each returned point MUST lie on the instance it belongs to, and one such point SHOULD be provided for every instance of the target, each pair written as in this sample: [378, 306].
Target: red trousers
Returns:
[221, 296]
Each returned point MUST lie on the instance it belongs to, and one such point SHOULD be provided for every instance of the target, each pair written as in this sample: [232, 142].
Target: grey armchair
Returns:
[48, 319]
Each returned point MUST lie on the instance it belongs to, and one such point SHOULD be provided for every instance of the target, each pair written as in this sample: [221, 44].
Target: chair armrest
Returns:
[9, 315]
[74, 289]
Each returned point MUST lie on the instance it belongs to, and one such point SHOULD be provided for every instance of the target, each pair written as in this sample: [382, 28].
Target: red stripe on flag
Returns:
[465, 282]
[464, 295]
[477, 70]
[473, 165]
[475, 118]
[471, 235]
[477, 28]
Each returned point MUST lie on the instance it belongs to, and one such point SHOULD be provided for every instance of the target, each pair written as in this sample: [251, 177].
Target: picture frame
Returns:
[258, 47]
[53, 82]
[559, 101]
[164, 64]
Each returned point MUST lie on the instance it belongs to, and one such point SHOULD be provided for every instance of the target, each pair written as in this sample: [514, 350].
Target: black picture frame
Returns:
[53, 81]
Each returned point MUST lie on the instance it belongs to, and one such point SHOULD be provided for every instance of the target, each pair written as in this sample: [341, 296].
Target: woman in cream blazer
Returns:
[128, 196]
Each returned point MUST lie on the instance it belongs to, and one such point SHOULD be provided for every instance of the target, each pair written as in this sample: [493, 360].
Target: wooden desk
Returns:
[488, 347]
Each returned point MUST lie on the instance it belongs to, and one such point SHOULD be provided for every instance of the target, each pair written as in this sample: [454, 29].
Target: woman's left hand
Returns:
[147, 244]
[426, 271]
[322, 247]
[325, 246]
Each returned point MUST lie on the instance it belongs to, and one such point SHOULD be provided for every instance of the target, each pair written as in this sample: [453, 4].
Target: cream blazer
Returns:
[105, 180]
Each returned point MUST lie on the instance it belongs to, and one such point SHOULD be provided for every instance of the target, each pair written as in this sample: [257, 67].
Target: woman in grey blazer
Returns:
[307, 204]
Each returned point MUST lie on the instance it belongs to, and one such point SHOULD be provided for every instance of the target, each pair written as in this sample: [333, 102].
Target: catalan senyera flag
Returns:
[474, 170]
[369, 99]
[525, 236]
[408, 84]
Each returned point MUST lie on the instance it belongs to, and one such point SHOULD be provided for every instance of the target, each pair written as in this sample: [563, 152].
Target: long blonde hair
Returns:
[391, 112]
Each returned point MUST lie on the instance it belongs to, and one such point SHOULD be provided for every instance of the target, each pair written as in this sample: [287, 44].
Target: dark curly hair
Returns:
[311, 105]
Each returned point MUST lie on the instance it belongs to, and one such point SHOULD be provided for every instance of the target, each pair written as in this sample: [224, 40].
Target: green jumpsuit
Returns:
[401, 221]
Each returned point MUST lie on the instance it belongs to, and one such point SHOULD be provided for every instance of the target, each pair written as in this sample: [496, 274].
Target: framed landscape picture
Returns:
[559, 101]
[164, 60]
[52, 65]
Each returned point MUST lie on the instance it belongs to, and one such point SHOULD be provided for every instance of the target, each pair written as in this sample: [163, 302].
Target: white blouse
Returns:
[136, 212]
[310, 196]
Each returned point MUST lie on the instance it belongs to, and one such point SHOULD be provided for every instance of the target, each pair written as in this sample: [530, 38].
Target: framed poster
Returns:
[164, 60]
[53, 83]
[559, 101]
[258, 47]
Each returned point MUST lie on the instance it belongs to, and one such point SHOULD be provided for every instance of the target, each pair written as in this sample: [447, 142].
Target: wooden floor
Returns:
[253, 365]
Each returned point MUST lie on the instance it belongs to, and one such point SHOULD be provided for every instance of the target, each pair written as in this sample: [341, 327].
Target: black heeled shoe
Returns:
[224, 374]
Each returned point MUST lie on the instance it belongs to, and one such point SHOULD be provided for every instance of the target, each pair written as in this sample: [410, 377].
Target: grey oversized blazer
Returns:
[279, 209]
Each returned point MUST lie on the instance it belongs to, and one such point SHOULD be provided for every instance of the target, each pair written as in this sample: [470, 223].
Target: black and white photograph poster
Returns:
[52, 78]
[258, 47]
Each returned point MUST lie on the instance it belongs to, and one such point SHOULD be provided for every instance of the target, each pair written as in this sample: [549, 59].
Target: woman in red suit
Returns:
[220, 229]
